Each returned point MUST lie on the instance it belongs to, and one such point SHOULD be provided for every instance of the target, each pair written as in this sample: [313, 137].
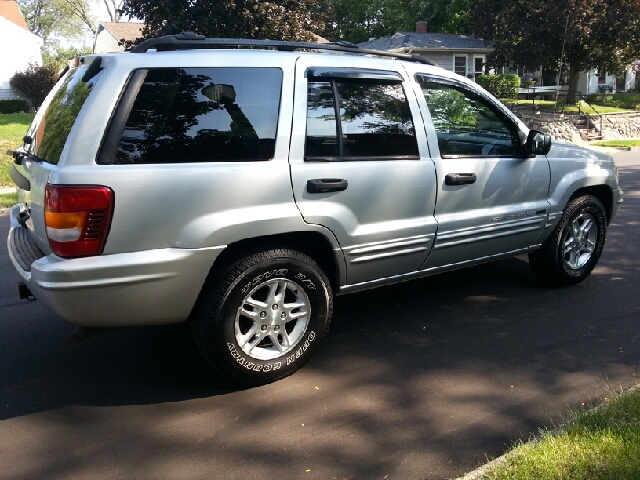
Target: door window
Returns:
[358, 119]
[468, 124]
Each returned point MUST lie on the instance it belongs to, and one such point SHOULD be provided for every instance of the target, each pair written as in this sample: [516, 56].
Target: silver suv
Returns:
[239, 189]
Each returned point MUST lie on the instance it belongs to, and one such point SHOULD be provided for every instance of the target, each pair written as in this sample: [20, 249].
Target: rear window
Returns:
[185, 115]
[51, 132]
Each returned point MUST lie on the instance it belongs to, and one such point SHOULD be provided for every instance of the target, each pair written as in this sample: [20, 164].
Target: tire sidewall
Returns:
[253, 370]
[592, 207]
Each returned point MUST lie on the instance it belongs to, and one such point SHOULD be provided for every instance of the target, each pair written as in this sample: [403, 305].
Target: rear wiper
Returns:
[19, 156]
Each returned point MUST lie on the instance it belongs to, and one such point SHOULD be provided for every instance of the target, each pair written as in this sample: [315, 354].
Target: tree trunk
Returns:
[574, 75]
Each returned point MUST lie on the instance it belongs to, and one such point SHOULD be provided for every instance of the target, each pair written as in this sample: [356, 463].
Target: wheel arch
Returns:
[311, 243]
[602, 193]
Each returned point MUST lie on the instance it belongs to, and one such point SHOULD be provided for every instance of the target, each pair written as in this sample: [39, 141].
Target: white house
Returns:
[467, 56]
[20, 46]
[595, 81]
[112, 35]
[463, 54]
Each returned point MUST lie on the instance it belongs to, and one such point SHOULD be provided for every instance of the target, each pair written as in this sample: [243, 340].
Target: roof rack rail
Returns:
[190, 41]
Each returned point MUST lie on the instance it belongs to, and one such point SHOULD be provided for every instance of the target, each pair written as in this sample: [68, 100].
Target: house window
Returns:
[478, 65]
[602, 75]
[460, 65]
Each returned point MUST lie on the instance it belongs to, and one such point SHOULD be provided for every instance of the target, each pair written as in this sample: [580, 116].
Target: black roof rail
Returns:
[190, 41]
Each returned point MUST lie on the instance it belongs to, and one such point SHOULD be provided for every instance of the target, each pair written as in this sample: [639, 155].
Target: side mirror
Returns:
[538, 143]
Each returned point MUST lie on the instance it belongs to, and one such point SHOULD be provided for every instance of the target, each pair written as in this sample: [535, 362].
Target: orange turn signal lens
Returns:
[61, 221]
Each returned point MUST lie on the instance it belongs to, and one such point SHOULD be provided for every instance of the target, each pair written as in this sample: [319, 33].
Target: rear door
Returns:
[492, 197]
[360, 164]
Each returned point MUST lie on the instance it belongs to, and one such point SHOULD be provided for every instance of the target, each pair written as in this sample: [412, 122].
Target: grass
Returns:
[8, 199]
[12, 128]
[598, 444]
[628, 101]
[618, 143]
[551, 105]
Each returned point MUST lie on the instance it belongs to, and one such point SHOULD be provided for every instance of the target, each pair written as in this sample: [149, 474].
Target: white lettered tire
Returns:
[263, 317]
[573, 249]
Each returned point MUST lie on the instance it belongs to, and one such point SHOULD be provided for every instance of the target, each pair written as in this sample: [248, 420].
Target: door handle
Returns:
[322, 185]
[460, 178]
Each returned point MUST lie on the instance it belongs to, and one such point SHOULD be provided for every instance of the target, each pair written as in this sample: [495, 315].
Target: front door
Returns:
[360, 167]
[492, 198]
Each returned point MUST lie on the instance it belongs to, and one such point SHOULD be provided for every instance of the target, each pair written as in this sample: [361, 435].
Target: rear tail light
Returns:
[77, 219]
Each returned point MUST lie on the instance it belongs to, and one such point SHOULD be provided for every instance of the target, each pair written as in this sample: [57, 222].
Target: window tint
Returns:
[203, 115]
[466, 123]
[51, 133]
[374, 120]
[321, 121]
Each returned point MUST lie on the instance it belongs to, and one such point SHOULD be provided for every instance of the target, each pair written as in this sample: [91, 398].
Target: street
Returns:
[421, 380]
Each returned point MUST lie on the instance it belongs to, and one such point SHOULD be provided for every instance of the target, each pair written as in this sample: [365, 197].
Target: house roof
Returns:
[128, 31]
[427, 41]
[10, 10]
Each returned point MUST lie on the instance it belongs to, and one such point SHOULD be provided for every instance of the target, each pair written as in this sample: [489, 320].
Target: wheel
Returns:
[263, 317]
[572, 251]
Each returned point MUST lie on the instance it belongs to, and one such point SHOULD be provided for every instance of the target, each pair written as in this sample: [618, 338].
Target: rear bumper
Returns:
[153, 287]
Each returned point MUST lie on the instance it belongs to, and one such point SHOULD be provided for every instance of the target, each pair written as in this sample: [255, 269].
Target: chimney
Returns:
[421, 26]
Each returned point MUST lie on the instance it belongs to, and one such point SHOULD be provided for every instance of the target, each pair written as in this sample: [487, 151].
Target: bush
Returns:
[13, 106]
[617, 100]
[34, 83]
[501, 86]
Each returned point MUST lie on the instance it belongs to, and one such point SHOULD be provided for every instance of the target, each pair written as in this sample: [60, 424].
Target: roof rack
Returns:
[190, 41]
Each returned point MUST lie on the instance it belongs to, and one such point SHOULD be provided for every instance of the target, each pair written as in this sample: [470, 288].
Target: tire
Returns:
[573, 249]
[263, 317]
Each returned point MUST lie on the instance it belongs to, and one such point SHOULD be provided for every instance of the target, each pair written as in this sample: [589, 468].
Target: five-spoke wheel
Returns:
[572, 250]
[262, 317]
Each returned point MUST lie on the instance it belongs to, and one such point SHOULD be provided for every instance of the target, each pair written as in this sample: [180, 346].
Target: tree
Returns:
[35, 83]
[275, 19]
[358, 20]
[114, 9]
[591, 34]
[67, 19]
[57, 56]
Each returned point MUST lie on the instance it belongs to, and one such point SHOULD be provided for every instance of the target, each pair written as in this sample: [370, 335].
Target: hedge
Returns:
[13, 106]
[501, 86]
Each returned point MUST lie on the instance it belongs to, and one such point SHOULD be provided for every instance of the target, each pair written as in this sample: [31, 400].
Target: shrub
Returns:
[34, 83]
[13, 106]
[501, 86]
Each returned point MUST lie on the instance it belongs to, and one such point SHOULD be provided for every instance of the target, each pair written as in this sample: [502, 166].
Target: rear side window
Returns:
[358, 119]
[51, 132]
[183, 115]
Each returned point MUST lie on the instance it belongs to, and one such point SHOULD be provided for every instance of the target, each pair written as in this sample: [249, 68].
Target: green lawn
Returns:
[629, 101]
[551, 105]
[618, 143]
[8, 199]
[12, 128]
[598, 444]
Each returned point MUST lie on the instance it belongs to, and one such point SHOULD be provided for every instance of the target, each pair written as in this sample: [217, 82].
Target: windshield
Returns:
[50, 132]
